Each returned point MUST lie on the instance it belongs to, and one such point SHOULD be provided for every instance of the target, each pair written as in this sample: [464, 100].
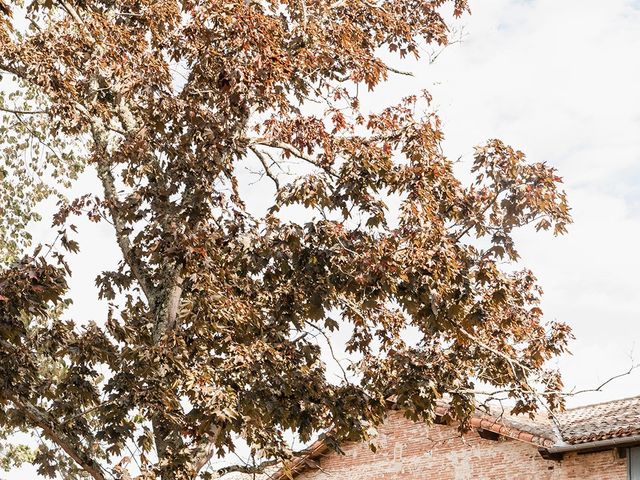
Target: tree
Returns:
[218, 313]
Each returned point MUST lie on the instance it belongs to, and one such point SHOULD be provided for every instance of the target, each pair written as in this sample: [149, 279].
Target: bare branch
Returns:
[108, 184]
[512, 361]
[23, 112]
[259, 468]
[333, 355]
[399, 72]
[57, 435]
[73, 13]
[267, 169]
[629, 371]
[293, 151]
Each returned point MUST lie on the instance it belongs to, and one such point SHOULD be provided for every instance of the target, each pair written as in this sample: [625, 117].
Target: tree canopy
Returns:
[219, 315]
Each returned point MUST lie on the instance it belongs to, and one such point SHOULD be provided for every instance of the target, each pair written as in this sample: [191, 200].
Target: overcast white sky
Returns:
[557, 79]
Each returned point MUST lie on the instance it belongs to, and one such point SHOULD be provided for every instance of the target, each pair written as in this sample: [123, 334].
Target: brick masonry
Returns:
[408, 450]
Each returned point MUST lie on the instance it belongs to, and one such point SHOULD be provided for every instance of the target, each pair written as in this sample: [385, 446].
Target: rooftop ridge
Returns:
[588, 405]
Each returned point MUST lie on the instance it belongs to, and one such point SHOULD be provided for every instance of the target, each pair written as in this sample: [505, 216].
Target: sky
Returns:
[557, 79]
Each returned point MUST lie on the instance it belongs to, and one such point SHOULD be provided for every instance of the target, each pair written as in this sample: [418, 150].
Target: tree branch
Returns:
[511, 361]
[599, 388]
[259, 468]
[203, 452]
[23, 112]
[293, 151]
[169, 312]
[399, 72]
[54, 433]
[108, 184]
[267, 169]
[466, 230]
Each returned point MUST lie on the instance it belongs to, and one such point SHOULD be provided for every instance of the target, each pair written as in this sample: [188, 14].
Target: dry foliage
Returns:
[217, 312]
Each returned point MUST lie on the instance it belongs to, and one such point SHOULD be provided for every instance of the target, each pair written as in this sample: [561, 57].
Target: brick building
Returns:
[599, 441]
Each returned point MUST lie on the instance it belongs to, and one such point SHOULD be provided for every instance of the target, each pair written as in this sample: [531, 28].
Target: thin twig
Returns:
[267, 169]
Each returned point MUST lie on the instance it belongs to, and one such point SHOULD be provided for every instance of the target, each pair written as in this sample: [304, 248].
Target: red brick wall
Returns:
[408, 450]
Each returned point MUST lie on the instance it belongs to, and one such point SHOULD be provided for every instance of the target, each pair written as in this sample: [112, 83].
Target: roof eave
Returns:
[609, 442]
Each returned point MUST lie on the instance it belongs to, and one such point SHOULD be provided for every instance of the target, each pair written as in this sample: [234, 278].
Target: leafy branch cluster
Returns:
[216, 312]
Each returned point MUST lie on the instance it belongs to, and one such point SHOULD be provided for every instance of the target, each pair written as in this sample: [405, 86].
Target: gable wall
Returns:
[408, 450]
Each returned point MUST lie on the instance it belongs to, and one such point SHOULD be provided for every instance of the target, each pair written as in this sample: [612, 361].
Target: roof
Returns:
[520, 427]
[577, 428]
[600, 421]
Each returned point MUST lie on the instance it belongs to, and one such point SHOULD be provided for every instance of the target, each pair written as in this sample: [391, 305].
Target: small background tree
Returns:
[219, 314]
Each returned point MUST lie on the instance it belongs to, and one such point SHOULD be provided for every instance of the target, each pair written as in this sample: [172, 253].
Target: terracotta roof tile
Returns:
[590, 423]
